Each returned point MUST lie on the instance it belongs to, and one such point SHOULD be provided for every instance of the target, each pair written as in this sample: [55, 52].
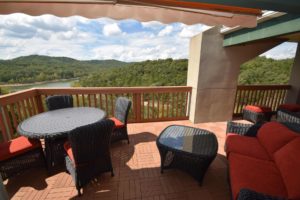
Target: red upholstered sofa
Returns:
[267, 164]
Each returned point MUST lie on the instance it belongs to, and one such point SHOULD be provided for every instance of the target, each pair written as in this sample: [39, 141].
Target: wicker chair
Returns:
[88, 152]
[20, 154]
[120, 119]
[54, 146]
[59, 101]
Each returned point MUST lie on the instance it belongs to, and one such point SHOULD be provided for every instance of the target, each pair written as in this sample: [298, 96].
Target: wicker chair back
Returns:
[91, 142]
[59, 102]
[122, 109]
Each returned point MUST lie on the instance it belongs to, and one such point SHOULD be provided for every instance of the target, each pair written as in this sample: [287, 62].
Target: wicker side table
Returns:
[187, 148]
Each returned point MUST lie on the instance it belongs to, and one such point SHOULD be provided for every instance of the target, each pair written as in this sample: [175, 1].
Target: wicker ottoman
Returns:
[257, 113]
[187, 148]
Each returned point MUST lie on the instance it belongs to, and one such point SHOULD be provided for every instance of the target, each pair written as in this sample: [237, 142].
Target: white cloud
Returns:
[111, 30]
[166, 31]
[285, 50]
[152, 24]
[81, 38]
[190, 31]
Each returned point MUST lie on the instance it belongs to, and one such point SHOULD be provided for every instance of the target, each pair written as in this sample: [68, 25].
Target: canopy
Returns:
[165, 11]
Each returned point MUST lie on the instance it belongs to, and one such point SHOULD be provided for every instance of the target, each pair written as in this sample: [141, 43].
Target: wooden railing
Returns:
[266, 95]
[149, 104]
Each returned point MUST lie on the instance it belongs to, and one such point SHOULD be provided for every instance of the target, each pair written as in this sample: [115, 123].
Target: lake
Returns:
[65, 84]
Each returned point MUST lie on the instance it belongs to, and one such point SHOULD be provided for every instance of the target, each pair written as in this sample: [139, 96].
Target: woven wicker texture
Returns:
[122, 108]
[238, 128]
[59, 102]
[91, 150]
[13, 166]
[246, 194]
[187, 148]
[288, 116]
[59, 122]
[256, 117]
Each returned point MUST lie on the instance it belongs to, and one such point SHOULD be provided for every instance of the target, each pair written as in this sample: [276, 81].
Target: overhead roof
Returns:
[166, 11]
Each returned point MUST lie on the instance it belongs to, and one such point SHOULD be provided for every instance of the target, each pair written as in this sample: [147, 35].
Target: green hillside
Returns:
[174, 72]
[36, 68]
[103, 73]
[146, 73]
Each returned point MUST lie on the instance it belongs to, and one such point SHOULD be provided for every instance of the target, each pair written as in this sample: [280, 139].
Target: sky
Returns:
[98, 39]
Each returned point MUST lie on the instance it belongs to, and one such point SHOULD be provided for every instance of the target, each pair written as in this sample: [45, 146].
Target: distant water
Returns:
[64, 84]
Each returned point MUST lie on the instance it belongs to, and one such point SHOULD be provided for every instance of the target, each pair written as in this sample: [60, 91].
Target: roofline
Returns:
[267, 15]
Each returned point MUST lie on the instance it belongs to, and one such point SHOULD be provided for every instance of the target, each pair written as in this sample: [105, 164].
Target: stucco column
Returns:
[213, 74]
[293, 95]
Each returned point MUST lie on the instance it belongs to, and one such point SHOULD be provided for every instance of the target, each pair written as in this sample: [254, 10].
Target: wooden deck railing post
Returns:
[39, 103]
[4, 125]
[137, 107]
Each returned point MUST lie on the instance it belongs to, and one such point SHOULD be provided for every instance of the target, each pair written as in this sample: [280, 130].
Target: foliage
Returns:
[97, 73]
[262, 70]
[147, 73]
[30, 69]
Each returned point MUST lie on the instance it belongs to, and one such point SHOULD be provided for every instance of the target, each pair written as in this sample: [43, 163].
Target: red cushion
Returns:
[290, 107]
[118, 123]
[288, 163]
[248, 146]
[258, 109]
[17, 146]
[68, 149]
[273, 136]
[255, 174]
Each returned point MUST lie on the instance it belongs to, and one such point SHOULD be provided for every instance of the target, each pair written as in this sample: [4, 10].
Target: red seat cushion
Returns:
[273, 136]
[68, 149]
[288, 163]
[258, 109]
[259, 175]
[17, 146]
[248, 146]
[118, 123]
[290, 107]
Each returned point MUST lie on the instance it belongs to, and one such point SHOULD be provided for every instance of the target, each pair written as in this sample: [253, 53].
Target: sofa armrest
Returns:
[246, 194]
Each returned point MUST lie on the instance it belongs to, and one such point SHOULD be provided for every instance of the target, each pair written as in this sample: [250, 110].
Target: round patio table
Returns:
[54, 126]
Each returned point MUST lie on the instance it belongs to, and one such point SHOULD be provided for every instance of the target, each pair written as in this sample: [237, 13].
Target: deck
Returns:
[137, 173]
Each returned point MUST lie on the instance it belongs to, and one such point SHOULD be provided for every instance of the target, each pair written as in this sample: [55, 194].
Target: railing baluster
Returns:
[95, 100]
[77, 101]
[8, 122]
[13, 115]
[83, 100]
[100, 100]
[89, 100]
[28, 106]
[3, 126]
[106, 104]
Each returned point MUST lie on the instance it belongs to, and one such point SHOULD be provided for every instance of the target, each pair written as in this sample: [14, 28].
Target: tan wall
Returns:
[213, 74]
[293, 95]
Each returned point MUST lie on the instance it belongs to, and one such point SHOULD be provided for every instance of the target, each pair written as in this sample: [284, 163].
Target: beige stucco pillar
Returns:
[293, 95]
[213, 74]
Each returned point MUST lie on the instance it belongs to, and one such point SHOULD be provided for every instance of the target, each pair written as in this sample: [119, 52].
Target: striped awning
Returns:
[165, 11]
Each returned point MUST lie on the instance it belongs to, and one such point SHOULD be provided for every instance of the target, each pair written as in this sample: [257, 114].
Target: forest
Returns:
[260, 70]
[102, 73]
[31, 69]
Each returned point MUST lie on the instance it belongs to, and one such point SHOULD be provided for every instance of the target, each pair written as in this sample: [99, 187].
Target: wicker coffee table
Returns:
[187, 148]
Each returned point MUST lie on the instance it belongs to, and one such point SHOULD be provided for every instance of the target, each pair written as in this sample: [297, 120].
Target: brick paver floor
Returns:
[137, 173]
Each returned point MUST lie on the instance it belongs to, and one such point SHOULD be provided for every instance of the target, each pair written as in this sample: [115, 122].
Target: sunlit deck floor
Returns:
[137, 173]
